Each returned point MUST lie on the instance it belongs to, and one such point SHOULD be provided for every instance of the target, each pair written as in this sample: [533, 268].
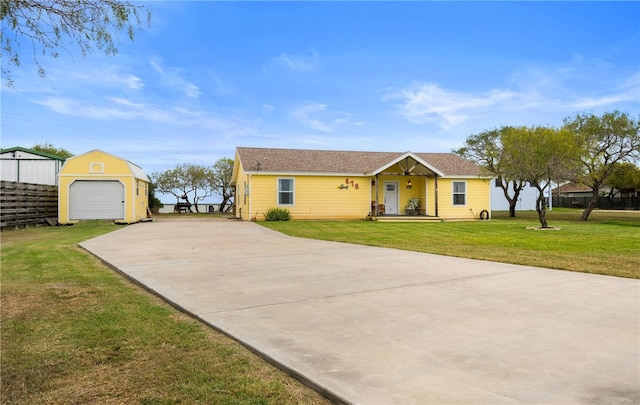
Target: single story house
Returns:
[24, 165]
[98, 185]
[324, 184]
[576, 190]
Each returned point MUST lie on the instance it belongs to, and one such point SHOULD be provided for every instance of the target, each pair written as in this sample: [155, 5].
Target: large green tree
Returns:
[605, 140]
[47, 27]
[624, 177]
[486, 150]
[539, 155]
[53, 150]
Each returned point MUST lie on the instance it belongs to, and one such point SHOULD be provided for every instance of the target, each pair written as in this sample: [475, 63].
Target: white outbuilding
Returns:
[24, 165]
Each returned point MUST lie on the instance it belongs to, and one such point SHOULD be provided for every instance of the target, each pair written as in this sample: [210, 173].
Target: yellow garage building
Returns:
[98, 185]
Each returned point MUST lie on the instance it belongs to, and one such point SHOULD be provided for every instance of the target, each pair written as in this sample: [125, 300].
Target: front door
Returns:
[391, 197]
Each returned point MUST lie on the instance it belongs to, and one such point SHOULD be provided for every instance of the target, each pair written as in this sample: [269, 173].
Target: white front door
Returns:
[391, 197]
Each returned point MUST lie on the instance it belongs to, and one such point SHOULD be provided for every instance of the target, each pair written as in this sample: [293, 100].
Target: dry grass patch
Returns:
[73, 331]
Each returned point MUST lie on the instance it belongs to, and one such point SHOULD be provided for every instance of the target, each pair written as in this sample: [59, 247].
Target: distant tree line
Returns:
[194, 183]
[588, 149]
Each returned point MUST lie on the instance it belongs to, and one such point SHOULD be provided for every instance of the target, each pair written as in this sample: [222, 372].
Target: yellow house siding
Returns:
[317, 194]
[477, 198]
[315, 197]
[141, 200]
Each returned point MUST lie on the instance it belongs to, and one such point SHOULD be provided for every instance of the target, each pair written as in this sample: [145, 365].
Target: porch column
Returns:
[375, 214]
[436, 191]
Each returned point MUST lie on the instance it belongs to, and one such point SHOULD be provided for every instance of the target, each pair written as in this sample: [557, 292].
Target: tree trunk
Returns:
[541, 208]
[593, 203]
[223, 204]
[513, 201]
[185, 197]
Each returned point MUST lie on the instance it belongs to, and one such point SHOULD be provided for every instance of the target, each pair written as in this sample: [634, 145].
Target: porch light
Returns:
[409, 184]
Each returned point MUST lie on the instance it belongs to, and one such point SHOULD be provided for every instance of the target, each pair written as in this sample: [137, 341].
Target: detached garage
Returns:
[97, 185]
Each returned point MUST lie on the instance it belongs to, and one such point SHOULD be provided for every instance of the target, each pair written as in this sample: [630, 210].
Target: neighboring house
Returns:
[97, 185]
[320, 184]
[526, 199]
[575, 190]
[24, 165]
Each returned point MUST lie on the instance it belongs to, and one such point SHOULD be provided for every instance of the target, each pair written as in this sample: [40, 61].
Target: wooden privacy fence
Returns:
[25, 204]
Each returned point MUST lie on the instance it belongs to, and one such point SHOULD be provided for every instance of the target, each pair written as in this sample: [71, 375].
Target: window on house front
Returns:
[285, 191]
[459, 193]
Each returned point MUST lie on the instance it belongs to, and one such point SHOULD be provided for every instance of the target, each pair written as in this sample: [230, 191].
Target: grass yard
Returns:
[75, 332]
[608, 243]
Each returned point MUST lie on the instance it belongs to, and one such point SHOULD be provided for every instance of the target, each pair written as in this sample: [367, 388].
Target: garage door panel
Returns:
[99, 199]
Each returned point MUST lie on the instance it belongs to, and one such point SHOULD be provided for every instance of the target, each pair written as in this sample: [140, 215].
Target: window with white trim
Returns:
[285, 192]
[459, 192]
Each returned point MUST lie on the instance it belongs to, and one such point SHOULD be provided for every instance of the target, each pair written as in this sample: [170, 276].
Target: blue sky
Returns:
[379, 76]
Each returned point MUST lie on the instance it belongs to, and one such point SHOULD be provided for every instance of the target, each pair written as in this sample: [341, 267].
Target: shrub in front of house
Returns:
[277, 214]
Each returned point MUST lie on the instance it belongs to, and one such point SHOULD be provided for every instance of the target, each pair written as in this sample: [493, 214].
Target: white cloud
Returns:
[308, 115]
[626, 92]
[267, 108]
[118, 108]
[578, 84]
[109, 76]
[428, 102]
[297, 63]
[535, 94]
[172, 77]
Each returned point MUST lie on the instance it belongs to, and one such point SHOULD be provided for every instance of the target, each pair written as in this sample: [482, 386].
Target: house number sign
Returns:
[351, 183]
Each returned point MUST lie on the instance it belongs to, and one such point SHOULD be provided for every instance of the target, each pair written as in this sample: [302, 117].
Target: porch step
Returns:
[407, 218]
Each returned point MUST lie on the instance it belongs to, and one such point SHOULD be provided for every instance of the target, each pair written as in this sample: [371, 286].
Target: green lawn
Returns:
[75, 332]
[608, 243]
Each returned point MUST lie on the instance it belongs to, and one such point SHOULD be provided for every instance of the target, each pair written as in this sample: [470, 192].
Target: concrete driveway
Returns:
[383, 326]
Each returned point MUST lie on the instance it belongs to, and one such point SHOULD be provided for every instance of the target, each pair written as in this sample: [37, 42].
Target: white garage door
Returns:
[103, 199]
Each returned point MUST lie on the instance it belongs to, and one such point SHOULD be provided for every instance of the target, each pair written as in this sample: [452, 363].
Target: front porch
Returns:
[405, 188]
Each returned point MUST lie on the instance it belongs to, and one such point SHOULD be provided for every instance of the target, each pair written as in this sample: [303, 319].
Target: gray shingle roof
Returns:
[276, 160]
